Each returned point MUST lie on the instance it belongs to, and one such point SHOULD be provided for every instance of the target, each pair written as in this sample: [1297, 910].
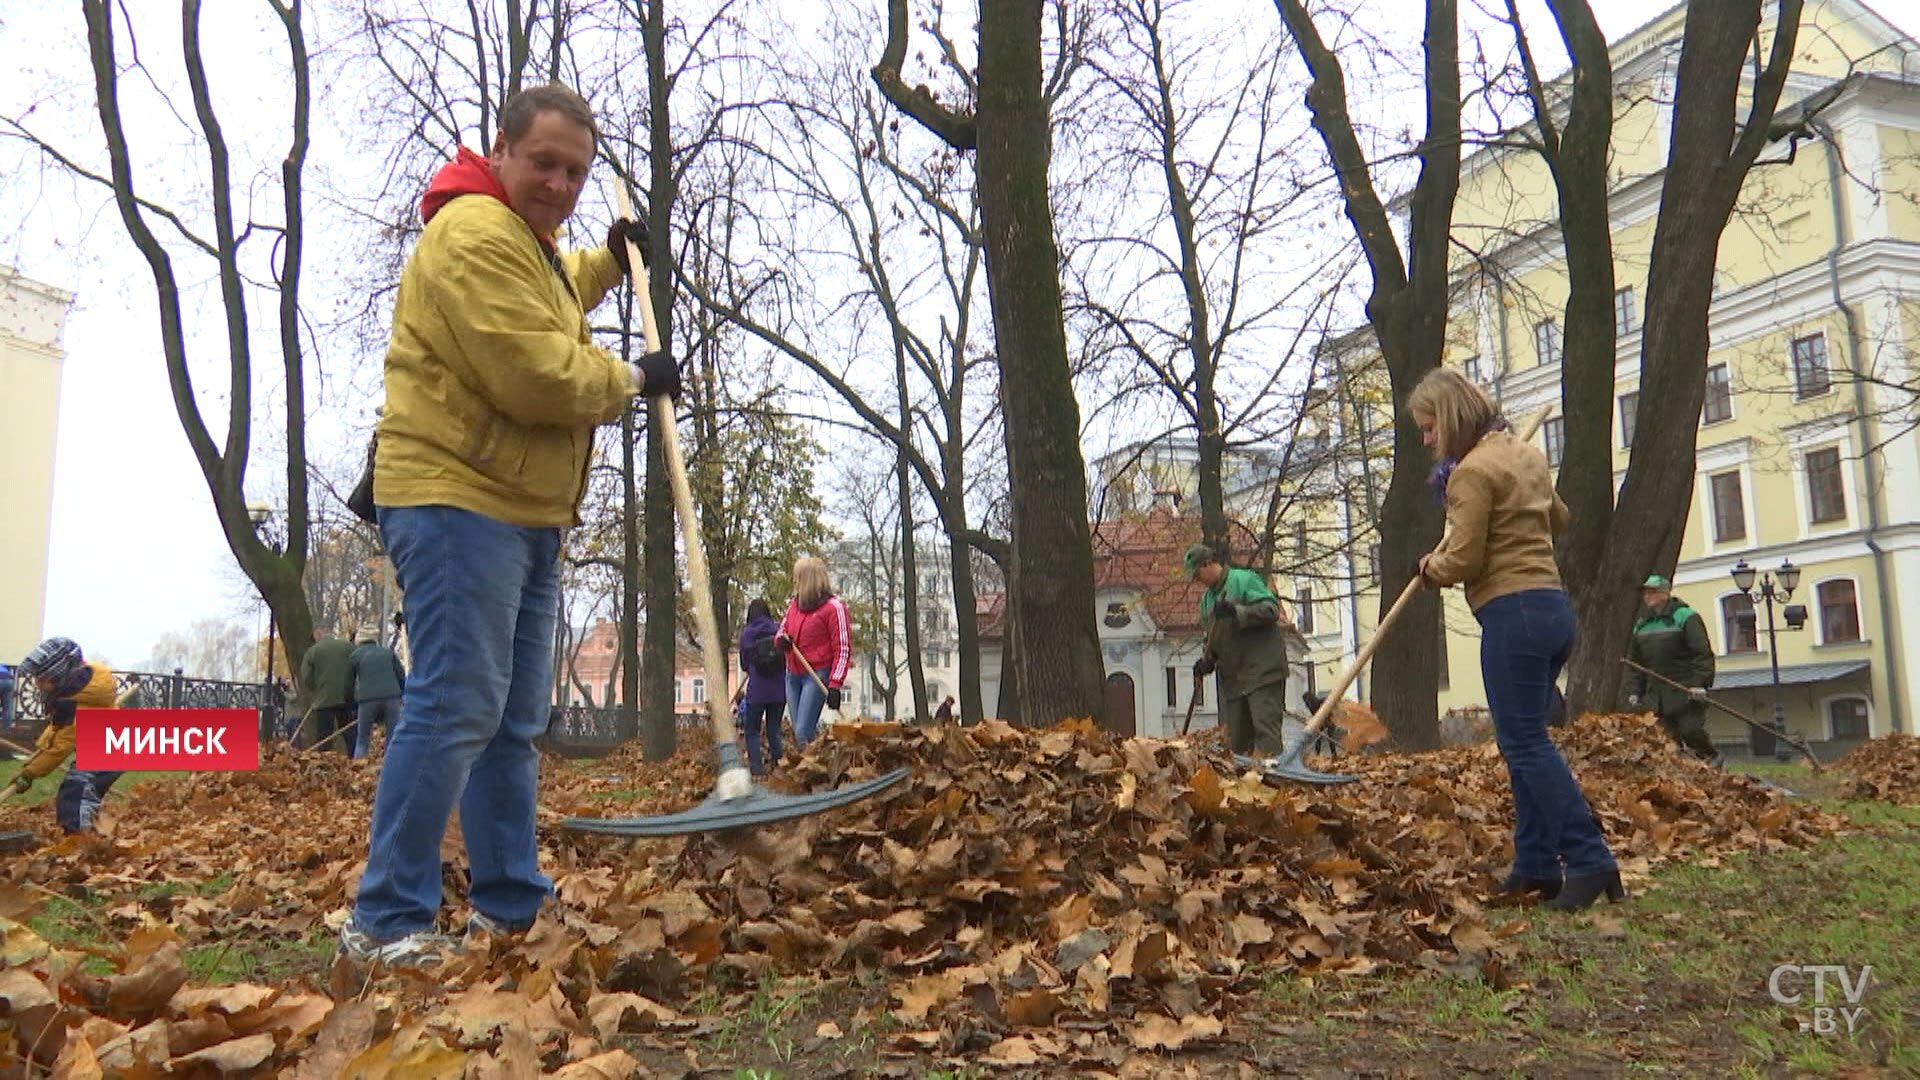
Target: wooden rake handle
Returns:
[704, 618]
[1359, 664]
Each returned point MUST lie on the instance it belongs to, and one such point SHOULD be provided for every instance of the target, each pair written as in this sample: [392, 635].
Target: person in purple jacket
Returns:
[765, 700]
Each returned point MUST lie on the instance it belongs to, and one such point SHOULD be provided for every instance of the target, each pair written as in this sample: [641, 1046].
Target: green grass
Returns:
[44, 787]
[1681, 971]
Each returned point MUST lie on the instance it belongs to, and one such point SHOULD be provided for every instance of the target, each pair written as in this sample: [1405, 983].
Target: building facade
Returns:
[32, 319]
[1807, 449]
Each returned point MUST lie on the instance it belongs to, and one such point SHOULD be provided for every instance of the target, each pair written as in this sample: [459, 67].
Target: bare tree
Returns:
[1053, 649]
[1712, 149]
[246, 255]
[1193, 284]
[1407, 309]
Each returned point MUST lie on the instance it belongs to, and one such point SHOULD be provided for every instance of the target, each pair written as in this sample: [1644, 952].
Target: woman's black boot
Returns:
[1581, 891]
[1520, 885]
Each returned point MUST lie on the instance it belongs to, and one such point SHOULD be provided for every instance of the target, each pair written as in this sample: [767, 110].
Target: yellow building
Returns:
[32, 316]
[1807, 450]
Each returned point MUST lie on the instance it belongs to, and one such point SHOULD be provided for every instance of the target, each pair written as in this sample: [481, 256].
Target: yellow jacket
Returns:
[56, 740]
[493, 385]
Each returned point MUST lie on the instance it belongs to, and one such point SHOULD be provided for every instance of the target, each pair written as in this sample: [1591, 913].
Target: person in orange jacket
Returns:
[67, 683]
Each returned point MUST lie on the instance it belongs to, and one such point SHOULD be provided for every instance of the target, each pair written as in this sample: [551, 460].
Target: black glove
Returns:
[20, 784]
[1203, 667]
[833, 699]
[785, 642]
[660, 374]
[1223, 608]
[623, 230]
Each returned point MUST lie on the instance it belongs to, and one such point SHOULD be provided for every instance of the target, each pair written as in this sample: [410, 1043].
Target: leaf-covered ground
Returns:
[1052, 901]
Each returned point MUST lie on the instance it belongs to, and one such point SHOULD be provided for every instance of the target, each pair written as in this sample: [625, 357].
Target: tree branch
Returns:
[958, 130]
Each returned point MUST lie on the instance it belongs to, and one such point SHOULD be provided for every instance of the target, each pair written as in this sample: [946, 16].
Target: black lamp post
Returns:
[262, 517]
[1776, 586]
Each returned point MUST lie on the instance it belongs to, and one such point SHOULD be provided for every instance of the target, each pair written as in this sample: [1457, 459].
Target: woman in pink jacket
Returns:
[816, 627]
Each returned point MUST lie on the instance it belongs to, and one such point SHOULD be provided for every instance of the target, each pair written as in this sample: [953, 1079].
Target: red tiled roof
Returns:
[1145, 554]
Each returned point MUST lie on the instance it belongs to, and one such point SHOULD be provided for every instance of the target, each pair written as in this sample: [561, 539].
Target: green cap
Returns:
[1656, 581]
[1198, 556]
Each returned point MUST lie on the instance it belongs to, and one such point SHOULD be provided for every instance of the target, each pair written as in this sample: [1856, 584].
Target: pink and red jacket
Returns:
[824, 635]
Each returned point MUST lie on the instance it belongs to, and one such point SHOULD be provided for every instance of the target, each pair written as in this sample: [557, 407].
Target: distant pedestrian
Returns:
[817, 628]
[764, 697]
[326, 676]
[378, 681]
[944, 714]
[1671, 639]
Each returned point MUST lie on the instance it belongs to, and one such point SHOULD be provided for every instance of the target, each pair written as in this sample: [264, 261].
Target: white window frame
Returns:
[1710, 517]
[1554, 337]
[1735, 456]
[1826, 711]
[1733, 407]
[1793, 372]
[1554, 424]
[1803, 491]
[1475, 369]
[1726, 627]
[1303, 603]
[1620, 416]
[1632, 312]
[699, 690]
[1817, 616]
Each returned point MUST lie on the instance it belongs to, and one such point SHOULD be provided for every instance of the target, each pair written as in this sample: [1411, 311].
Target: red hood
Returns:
[467, 174]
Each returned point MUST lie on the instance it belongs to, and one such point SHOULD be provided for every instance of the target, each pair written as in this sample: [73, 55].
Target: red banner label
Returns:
[113, 740]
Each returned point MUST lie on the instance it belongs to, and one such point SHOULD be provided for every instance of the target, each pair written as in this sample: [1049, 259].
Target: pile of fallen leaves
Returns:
[1029, 896]
[1885, 769]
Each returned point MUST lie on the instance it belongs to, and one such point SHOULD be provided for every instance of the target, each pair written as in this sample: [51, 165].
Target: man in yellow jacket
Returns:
[67, 683]
[494, 388]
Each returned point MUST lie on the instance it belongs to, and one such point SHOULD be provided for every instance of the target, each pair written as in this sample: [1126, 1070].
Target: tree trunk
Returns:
[1577, 157]
[1055, 642]
[967, 629]
[658, 730]
[1408, 310]
[1707, 163]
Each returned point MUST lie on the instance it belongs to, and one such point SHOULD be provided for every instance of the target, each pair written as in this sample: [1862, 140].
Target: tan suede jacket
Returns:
[1502, 516]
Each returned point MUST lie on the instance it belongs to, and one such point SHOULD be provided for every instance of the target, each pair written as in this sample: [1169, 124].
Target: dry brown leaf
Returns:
[1166, 1033]
[232, 1056]
[408, 1054]
[77, 1062]
[919, 995]
[150, 986]
[608, 1013]
[610, 1065]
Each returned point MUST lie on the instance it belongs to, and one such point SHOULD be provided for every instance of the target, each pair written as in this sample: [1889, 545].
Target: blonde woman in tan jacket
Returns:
[1502, 515]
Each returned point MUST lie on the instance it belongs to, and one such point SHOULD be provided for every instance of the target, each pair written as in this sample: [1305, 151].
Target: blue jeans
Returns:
[1526, 638]
[755, 717]
[378, 711]
[482, 597]
[807, 699]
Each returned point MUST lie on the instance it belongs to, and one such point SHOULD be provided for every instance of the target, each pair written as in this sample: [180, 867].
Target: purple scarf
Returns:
[1443, 470]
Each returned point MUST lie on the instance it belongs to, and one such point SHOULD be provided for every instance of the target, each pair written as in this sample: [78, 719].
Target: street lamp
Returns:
[1779, 586]
[261, 515]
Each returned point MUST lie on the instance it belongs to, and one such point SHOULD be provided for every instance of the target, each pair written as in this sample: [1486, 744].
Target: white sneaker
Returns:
[486, 924]
[424, 949]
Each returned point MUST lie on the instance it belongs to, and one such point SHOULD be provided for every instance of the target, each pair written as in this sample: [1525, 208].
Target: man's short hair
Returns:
[516, 116]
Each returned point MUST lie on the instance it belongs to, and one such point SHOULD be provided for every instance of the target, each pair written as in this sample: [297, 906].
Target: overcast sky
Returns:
[136, 550]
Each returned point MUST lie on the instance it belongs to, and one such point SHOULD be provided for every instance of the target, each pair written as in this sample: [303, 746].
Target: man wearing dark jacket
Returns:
[378, 679]
[1671, 639]
[326, 676]
[1247, 648]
